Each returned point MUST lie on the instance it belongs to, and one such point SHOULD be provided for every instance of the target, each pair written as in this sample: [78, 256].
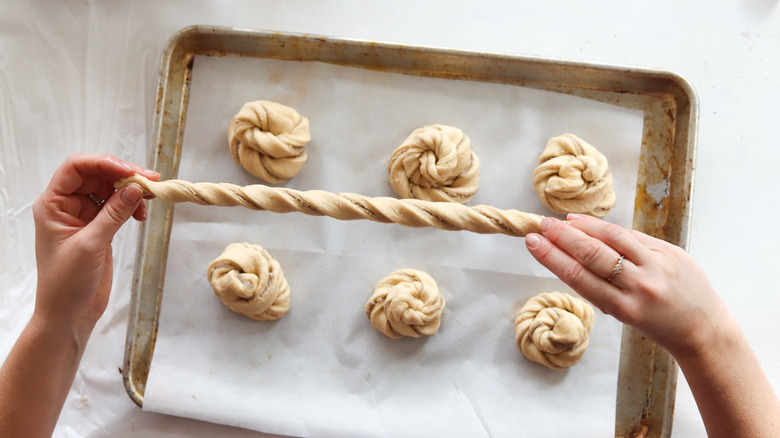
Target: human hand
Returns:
[73, 237]
[660, 290]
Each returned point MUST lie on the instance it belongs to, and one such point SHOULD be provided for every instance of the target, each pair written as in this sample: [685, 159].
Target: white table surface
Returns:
[80, 76]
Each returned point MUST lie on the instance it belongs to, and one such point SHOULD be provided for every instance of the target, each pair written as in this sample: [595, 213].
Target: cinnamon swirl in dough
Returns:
[406, 303]
[574, 177]
[268, 139]
[435, 163]
[250, 282]
[344, 206]
[552, 329]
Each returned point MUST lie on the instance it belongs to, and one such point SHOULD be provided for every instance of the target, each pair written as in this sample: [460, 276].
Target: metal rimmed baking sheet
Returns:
[647, 374]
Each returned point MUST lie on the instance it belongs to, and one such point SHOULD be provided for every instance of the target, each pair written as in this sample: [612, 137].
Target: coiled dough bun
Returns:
[552, 329]
[435, 163]
[269, 140]
[406, 303]
[574, 177]
[250, 282]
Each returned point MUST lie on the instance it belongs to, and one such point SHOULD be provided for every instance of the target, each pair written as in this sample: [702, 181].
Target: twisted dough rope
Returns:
[552, 329]
[268, 139]
[481, 219]
[574, 177]
[250, 282]
[406, 303]
[435, 163]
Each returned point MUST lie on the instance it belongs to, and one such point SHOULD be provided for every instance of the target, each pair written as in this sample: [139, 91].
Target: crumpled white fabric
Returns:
[80, 76]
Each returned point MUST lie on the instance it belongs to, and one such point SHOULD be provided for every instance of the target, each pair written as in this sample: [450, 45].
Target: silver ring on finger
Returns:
[616, 270]
[99, 202]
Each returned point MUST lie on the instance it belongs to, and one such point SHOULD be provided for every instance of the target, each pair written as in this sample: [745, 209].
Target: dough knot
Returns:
[552, 329]
[406, 303]
[435, 163]
[574, 177]
[268, 139]
[250, 282]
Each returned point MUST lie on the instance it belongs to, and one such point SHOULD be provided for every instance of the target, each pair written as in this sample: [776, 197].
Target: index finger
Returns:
[77, 170]
[617, 237]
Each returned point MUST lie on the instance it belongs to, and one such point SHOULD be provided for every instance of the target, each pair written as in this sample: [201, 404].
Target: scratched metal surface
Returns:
[648, 374]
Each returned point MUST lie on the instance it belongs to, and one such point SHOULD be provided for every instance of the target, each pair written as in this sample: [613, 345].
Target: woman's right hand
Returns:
[76, 218]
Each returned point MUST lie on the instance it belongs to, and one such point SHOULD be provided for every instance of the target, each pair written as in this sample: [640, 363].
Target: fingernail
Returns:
[546, 224]
[574, 216]
[532, 240]
[131, 194]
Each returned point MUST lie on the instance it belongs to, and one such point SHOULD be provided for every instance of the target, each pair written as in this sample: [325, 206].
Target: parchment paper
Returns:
[322, 370]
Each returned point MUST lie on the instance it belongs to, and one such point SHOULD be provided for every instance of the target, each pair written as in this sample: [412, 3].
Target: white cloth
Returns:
[80, 76]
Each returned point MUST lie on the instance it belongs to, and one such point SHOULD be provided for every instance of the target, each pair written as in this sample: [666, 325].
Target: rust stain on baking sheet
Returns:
[642, 430]
[158, 102]
[652, 208]
[140, 372]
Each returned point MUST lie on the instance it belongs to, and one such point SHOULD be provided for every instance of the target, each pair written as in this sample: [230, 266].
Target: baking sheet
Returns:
[322, 369]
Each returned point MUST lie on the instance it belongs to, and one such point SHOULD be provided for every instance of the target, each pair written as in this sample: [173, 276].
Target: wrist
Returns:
[722, 337]
[61, 331]
[60, 308]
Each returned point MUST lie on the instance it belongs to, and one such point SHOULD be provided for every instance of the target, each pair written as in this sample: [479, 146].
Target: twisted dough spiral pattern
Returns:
[250, 282]
[435, 163]
[552, 329]
[574, 177]
[406, 303]
[481, 219]
[268, 139]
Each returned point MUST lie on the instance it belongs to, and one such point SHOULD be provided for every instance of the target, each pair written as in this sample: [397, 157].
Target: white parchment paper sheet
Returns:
[322, 370]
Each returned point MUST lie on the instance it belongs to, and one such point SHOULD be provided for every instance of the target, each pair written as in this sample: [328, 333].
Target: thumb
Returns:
[116, 211]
